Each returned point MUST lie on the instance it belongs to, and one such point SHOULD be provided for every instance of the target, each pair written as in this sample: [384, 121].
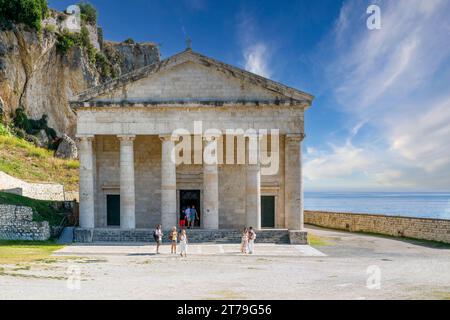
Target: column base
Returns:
[298, 237]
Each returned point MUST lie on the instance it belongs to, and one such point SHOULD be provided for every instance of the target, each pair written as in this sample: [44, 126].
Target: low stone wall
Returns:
[417, 228]
[16, 223]
[40, 191]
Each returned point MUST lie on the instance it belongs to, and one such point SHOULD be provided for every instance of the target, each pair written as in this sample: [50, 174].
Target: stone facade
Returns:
[417, 228]
[16, 223]
[126, 130]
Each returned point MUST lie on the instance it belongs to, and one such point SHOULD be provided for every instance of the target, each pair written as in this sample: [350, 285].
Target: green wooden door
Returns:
[113, 209]
[268, 211]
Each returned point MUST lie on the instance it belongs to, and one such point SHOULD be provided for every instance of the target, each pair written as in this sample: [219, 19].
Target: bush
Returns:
[51, 133]
[129, 41]
[20, 133]
[29, 12]
[50, 28]
[32, 139]
[20, 120]
[88, 13]
[103, 65]
[65, 42]
[4, 131]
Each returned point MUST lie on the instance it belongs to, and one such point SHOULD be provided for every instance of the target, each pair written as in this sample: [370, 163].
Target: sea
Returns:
[408, 204]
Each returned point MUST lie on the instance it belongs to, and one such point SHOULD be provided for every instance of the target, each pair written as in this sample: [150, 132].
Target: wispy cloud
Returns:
[257, 59]
[391, 79]
[255, 51]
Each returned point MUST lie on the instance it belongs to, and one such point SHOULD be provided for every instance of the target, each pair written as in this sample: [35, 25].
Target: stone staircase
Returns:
[280, 236]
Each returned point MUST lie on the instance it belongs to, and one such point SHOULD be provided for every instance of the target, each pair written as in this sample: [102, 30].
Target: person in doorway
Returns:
[194, 216]
[251, 240]
[244, 243]
[182, 219]
[183, 243]
[173, 238]
[157, 235]
[187, 214]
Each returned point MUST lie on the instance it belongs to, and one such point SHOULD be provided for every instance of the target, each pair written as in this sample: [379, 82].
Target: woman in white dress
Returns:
[183, 243]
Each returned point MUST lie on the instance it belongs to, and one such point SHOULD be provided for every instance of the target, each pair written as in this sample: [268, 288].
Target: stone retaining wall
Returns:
[40, 191]
[16, 223]
[417, 228]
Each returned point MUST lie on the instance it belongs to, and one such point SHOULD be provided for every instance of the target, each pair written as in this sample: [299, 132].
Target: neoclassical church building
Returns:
[130, 131]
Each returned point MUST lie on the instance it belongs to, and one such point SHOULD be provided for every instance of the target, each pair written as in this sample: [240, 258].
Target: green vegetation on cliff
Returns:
[88, 13]
[28, 12]
[22, 159]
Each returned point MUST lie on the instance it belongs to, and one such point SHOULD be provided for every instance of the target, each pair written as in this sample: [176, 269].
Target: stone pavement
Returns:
[125, 249]
[339, 265]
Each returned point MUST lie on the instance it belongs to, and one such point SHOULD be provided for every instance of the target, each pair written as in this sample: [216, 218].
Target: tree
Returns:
[88, 13]
[28, 12]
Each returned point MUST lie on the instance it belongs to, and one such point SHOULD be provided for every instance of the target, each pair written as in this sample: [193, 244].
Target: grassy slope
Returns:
[43, 210]
[23, 160]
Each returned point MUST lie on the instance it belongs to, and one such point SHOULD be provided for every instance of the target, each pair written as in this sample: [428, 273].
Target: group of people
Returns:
[188, 217]
[248, 240]
[247, 244]
[173, 237]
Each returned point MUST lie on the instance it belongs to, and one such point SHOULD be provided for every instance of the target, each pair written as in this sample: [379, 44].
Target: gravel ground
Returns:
[344, 266]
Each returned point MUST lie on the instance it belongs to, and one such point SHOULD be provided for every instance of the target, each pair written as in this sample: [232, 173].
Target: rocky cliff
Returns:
[35, 75]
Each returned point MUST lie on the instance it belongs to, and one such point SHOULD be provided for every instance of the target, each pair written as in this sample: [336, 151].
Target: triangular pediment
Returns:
[189, 77]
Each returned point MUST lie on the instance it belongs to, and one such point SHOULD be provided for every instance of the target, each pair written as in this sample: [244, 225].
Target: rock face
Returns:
[34, 75]
[42, 139]
[131, 56]
[67, 148]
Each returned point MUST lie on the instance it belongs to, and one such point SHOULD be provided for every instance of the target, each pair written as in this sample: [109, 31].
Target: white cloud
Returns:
[255, 52]
[341, 161]
[391, 79]
[256, 59]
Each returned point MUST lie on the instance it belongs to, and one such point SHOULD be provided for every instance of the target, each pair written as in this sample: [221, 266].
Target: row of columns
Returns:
[210, 214]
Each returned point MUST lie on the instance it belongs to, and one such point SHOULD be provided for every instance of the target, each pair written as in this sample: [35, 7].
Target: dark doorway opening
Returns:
[113, 210]
[189, 198]
[268, 211]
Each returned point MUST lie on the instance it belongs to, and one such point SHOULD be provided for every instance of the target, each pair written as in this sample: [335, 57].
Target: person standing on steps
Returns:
[182, 218]
[251, 240]
[194, 216]
[187, 214]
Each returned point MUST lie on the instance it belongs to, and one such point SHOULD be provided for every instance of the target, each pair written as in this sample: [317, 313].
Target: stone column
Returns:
[127, 192]
[87, 167]
[168, 183]
[293, 182]
[210, 217]
[253, 183]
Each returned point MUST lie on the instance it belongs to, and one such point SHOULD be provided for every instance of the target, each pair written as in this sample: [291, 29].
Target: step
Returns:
[194, 235]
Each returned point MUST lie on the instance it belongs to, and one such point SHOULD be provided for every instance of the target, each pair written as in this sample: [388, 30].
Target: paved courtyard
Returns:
[338, 265]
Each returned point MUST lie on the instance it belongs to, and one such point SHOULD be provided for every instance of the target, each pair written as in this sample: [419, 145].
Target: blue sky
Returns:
[381, 117]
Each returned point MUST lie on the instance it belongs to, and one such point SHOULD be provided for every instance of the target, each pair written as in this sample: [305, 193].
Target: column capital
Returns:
[126, 137]
[85, 137]
[297, 137]
[169, 137]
